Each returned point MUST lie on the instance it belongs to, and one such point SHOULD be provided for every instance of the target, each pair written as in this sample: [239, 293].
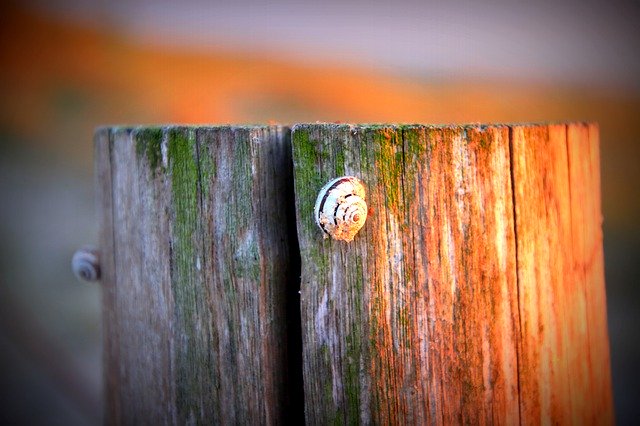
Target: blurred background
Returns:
[67, 66]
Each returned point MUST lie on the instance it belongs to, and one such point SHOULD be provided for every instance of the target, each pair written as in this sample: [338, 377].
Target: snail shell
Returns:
[340, 209]
[86, 264]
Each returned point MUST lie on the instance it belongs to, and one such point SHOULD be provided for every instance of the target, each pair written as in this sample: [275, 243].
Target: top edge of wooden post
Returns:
[462, 126]
[134, 127]
[454, 126]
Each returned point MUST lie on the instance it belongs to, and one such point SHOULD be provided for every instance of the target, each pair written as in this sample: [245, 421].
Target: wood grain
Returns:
[464, 298]
[473, 294]
[197, 266]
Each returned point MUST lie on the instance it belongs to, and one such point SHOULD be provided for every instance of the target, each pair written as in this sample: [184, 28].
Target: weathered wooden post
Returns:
[473, 294]
[475, 291]
[196, 264]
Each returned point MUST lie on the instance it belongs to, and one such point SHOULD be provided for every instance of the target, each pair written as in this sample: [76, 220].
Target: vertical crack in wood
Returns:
[515, 236]
[463, 140]
[292, 298]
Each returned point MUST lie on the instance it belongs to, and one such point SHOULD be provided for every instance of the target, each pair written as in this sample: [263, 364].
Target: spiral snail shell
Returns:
[86, 264]
[340, 209]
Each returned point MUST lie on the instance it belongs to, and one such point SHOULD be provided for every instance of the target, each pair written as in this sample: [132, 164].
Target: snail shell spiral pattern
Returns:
[341, 209]
[86, 264]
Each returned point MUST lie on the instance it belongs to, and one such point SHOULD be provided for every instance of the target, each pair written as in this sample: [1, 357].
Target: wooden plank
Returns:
[558, 228]
[197, 289]
[143, 299]
[543, 229]
[247, 256]
[475, 291]
[416, 320]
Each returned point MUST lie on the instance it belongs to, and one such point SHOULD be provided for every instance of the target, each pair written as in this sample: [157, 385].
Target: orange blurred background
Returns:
[64, 72]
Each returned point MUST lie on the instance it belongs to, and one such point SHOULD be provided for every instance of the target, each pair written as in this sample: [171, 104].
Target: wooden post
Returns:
[475, 291]
[197, 263]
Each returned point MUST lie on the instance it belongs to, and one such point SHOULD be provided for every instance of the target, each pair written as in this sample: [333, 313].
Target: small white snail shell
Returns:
[86, 264]
[340, 209]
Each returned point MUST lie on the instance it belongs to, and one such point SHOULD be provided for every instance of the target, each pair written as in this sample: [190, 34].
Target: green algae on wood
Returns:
[149, 145]
[194, 374]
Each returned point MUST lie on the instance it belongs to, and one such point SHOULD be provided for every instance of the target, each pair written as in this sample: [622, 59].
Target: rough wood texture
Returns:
[196, 258]
[475, 291]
